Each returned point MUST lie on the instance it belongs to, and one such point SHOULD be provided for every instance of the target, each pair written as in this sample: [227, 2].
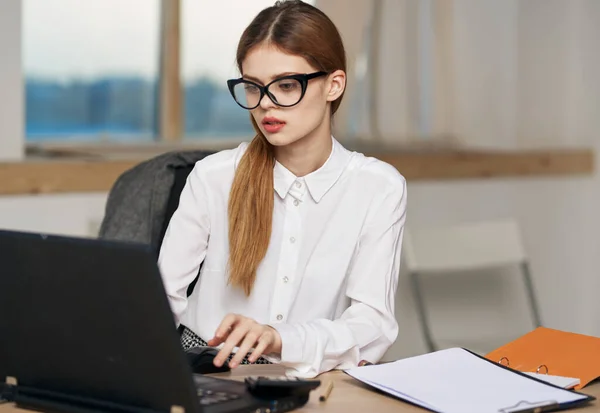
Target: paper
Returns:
[560, 381]
[457, 381]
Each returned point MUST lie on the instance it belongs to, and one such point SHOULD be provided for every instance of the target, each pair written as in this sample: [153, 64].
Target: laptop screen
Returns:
[90, 318]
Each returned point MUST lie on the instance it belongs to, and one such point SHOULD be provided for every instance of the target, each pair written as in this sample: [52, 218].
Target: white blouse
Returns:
[328, 281]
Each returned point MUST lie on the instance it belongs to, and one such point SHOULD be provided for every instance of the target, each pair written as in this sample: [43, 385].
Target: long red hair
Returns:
[296, 28]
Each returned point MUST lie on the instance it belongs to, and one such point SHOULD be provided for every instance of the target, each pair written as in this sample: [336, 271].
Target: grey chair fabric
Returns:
[138, 203]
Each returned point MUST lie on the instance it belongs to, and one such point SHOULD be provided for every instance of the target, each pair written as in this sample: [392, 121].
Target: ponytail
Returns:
[250, 212]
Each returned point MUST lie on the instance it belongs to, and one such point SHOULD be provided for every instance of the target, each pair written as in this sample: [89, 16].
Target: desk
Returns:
[348, 394]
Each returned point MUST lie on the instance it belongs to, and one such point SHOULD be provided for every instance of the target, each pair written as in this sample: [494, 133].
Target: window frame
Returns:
[12, 134]
[169, 104]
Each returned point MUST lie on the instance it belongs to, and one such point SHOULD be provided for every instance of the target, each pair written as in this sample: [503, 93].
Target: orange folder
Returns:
[562, 354]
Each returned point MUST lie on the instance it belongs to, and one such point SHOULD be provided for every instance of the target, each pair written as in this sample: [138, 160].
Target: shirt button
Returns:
[296, 202]
[279, 317]
[298, 184]
[285, 279]
[292, 240]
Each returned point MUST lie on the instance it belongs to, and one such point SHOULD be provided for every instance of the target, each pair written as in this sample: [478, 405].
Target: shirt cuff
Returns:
[291, 343]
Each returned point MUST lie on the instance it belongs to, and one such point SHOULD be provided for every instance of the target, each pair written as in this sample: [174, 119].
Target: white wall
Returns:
[559, 221]
[65, 214]
[11, 83]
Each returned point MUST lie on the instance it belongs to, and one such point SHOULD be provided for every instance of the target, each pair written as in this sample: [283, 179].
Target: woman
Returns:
[298, 239]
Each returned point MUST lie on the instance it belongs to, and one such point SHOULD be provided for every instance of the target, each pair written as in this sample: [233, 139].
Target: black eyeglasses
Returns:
[284, 91]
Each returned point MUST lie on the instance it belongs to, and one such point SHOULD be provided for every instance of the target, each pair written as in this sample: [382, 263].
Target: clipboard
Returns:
[526, 407]
[458, 380]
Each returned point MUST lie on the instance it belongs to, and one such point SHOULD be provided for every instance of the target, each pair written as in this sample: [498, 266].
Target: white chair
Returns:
[469, 246]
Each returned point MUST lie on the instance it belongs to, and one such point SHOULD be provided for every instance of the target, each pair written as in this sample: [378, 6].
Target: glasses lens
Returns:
[286, 92]
[246, 94]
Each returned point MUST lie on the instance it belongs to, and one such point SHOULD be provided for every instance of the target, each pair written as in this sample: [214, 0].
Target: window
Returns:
[91, 69]
[210, 32]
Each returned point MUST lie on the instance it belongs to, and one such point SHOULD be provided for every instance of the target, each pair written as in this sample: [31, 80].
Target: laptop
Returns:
[85, 325]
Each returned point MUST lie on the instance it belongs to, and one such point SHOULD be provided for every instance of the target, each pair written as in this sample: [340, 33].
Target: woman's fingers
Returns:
[247, 335]
[224, 329]
[263, 342]
[235, 337]
[249, 341]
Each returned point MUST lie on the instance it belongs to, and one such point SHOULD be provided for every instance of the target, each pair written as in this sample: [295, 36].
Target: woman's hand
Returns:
[244, 332]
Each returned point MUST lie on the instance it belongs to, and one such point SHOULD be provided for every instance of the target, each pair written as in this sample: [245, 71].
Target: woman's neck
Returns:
[305, 155]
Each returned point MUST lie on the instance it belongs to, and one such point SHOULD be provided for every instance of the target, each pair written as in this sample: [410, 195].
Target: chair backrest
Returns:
[467, 246]
[143, 199]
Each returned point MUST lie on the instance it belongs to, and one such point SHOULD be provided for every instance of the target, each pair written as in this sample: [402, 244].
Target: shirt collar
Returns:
[319, 181]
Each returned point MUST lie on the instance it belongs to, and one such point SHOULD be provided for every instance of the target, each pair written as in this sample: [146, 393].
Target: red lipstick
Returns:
[272, 125]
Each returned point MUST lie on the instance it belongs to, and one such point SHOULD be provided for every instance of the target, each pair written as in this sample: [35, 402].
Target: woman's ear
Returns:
[336, 84]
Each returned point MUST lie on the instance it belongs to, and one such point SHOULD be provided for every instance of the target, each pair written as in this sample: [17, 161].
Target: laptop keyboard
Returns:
[211, 391]
[208, 397]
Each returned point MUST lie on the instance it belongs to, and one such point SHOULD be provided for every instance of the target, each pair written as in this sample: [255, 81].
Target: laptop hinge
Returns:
[177, 409]
[8, 389]
[39, 399]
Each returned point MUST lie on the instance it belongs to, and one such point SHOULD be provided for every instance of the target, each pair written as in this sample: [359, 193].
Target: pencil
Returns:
[327, 392]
